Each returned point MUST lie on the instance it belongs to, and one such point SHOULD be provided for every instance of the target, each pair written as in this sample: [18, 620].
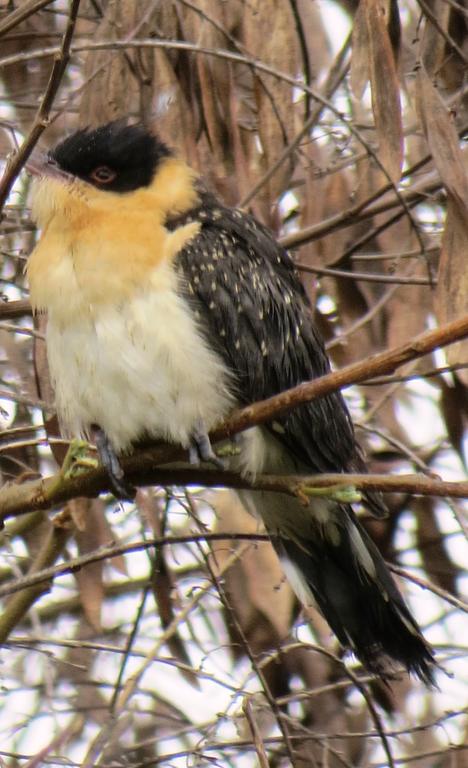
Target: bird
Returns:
[168, 309]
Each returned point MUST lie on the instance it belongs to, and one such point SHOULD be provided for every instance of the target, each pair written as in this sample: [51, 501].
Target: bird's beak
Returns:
[42, 165]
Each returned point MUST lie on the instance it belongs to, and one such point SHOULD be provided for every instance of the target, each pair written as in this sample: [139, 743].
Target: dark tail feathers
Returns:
[344, 573]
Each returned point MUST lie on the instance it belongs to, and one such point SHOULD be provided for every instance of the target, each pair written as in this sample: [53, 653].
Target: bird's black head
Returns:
[116, 157]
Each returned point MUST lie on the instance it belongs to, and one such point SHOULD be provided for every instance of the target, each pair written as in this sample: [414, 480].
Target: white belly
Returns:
[140, 369]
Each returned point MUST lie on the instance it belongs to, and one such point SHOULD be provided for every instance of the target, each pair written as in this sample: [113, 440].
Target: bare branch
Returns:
[20, 14]
[114, 550]
[41, 121]
[46, 493]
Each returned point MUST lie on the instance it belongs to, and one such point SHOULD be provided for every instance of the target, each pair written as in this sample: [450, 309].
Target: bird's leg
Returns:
[77, 459]
[111, 464]
[200, 448]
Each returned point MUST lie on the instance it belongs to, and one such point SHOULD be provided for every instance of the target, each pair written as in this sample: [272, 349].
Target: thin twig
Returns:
[432, 373]
[424, 584]
[11, 328]
[362, 320]
[402, 198]
[16, 397]
[115, 550]
[27, 8]
[98, 744]
[365, 276]
[22, 601]
[41, 121]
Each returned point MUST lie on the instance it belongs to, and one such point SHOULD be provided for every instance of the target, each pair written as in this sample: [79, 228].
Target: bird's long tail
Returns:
[341, 571]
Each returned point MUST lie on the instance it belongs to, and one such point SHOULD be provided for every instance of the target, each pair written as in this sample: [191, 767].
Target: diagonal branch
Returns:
[41, 121]
[142, 465]
[37, 577]
[27, 9]
[376, 365]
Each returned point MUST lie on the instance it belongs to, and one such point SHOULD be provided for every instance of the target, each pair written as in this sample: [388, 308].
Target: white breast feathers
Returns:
[142, 368]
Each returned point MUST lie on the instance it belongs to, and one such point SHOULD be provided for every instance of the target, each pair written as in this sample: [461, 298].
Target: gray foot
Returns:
[200, 448]
[111, 464]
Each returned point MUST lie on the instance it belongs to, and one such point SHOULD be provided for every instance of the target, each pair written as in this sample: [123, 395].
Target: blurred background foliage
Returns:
[341, 126]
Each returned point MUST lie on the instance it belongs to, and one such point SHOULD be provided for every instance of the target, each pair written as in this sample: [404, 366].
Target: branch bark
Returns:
[35, 577]
[377, 365]
[144, 466]
[41, 121]
[20, 14]
[23, 599]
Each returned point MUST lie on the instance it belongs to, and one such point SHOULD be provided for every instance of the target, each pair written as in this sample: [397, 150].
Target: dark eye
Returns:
[103, 175]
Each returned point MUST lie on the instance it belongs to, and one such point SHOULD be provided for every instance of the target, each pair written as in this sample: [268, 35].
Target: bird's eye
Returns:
[102, 175]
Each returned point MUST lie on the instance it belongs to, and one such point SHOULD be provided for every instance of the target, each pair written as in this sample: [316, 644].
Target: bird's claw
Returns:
[77, 459]
[200, 448]
[229, 449]
[113, 467]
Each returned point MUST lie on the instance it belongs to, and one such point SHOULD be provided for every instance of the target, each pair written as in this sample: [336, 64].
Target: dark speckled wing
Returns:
[252, 307]
[248, 298]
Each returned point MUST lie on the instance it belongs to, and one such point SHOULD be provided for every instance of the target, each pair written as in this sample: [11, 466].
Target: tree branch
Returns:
[27, 9]
[41, 121]
[11, 310]
[37, 577]
[141, 469]
[376, 365]
[16, 608]
[141, 466]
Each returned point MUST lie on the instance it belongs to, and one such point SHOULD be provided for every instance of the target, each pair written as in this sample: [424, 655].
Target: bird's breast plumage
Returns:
[135, 369]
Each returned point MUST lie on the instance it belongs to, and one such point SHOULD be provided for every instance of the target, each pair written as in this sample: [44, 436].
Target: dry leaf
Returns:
[164, 590]
[318, 52]
[433, 39]
[443, 141]
[321, 196]
[257, 589]
[213, 78]
[88, 578]
[385, 88]
[452, 286]
[440, 568]
[454, 407]
[269, 34]
[394, 27]
[360, 73]
[118, 83]
[75, 668]
[401, 325]
[92, 531]
[163, 584]
[175, 120]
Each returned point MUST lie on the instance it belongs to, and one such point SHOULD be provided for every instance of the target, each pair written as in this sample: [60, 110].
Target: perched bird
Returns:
[167, 309]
